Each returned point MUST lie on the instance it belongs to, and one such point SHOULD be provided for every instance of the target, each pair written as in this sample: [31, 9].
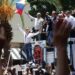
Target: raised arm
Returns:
[34, 34]
[21, 29]
[31, 17]
[61, 33]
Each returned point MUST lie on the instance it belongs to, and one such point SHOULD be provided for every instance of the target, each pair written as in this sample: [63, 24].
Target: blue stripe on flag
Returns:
[20, 6]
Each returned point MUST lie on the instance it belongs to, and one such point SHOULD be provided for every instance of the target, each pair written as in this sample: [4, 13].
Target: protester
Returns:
[27, 48]
[44, 32]
[54, 16]
[5, 38]
[70, 19]
[61, 29]
[49, 28]
[38, 23]
[57, 28]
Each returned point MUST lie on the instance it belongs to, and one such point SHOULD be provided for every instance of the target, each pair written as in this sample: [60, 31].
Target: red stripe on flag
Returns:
[19, 12]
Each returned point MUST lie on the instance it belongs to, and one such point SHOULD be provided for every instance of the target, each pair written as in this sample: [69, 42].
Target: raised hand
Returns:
[61, 32]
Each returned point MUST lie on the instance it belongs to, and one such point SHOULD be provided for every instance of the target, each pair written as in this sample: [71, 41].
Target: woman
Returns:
[5, 38]
[2, 38]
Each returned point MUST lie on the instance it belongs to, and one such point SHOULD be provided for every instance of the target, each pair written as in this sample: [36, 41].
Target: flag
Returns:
[20, 6]
[17, 54]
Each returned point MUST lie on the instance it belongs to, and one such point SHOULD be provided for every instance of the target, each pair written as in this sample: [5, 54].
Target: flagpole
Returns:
[22, 20]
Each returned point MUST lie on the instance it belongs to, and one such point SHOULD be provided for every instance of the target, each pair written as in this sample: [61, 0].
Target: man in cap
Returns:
[37, 24]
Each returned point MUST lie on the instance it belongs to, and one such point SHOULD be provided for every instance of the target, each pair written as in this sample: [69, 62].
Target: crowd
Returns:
[34, 69]
[55, 29]
[43, 29]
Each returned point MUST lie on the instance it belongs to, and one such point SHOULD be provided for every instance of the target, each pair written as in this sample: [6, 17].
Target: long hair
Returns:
[5, 44]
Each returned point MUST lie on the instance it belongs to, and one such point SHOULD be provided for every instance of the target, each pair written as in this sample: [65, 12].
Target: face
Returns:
[67, 14]
[27, 31]
[38, 16]
[60, 17]
[53, 13]
[47, 13]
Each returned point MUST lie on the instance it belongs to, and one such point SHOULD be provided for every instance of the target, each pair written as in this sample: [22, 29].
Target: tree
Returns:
[56, 3]
[67, 4]
[50, 5]
[41, 6]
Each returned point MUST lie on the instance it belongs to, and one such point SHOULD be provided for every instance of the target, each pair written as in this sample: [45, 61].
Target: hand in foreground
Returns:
[61, 33]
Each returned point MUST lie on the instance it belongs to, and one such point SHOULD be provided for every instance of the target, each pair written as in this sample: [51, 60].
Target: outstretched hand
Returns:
[61, 32]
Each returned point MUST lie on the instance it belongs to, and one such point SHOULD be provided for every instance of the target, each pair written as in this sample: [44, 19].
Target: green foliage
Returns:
[50, 5]
[68, 4]
[41, 6]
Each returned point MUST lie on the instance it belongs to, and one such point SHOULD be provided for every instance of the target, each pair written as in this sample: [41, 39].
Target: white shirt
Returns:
[71, 20]
[28, 37]
[38, 22]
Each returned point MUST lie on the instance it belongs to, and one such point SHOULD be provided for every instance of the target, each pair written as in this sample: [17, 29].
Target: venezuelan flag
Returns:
[20, 6]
